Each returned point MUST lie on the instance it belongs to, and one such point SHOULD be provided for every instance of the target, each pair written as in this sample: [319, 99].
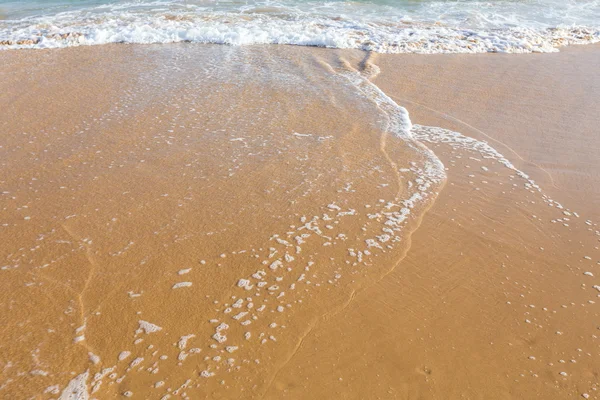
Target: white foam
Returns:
[77, 388]
[93, 358]
[183, 341]
[245, 283]
[182, 284]
[374, 28]
[148, 327]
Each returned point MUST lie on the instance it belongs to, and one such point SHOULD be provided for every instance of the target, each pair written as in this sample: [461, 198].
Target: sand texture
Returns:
[204, 221]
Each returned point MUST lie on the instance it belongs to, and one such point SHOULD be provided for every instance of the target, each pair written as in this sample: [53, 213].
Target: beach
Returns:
[535, 109]
[208, 221]
[481, 311]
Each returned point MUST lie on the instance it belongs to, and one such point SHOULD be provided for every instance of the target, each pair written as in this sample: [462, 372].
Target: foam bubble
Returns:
[148, 327]
[77, 388]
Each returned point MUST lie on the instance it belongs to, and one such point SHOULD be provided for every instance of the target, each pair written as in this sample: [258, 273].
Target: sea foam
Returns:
[432, 28]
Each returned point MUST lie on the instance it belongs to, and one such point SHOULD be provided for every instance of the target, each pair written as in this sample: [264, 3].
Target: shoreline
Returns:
[420, 342]
[518, 104]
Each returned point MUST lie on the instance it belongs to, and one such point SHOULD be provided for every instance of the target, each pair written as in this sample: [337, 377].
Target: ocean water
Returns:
[387, 26]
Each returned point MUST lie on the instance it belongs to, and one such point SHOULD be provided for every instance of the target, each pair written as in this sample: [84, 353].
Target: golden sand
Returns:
[224, 222]
[538, 109]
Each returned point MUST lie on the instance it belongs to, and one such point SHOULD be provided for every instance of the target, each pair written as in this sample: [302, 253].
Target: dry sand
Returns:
[145, 187]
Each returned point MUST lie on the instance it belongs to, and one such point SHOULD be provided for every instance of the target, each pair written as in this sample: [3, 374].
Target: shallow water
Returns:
[178, 219]
[206, 195]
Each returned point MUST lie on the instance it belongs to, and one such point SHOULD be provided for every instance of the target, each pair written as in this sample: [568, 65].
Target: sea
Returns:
[384, 26]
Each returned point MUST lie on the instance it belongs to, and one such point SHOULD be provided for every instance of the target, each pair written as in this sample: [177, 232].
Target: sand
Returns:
[491, 301]
[539, 109]
[234, 222]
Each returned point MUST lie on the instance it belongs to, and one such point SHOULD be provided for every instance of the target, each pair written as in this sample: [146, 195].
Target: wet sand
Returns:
[494, 298]
[244, 222]
[538, 109]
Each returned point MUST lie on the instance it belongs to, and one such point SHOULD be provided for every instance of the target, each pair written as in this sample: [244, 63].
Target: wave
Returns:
[273, 25]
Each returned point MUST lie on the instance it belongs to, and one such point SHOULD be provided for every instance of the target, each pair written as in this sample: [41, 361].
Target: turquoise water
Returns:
[379, 25]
